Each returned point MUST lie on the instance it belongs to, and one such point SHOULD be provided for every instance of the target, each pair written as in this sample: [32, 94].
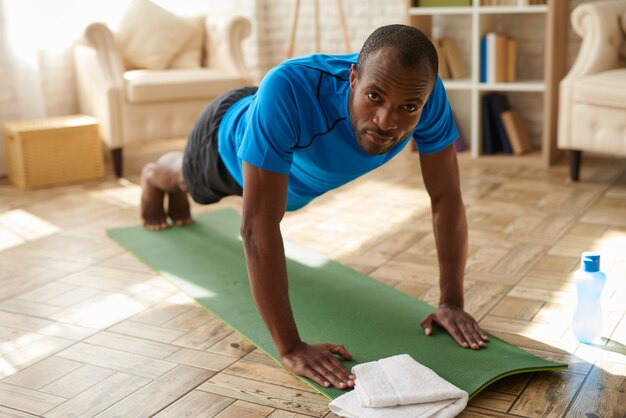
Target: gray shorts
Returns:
[206, 177]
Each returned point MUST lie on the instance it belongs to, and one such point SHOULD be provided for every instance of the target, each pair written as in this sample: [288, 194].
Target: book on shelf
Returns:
[451, 61]
[498, 58]
[443, 64]
[499, 3]
[490, 144]
[491, 57]
[511, 59]
[495, 138]
[516, 131]
[483, 59]
[511, 2]
[501, 105]
[443, 3]
[454, 58]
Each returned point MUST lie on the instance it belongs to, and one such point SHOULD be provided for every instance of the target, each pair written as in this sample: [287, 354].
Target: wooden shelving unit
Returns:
[465, 94]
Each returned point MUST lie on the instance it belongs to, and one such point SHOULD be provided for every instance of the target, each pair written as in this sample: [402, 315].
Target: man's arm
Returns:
[441, 178]
[264, 202]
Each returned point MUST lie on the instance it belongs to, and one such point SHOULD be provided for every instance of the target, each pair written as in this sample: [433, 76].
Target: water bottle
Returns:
[587, 321]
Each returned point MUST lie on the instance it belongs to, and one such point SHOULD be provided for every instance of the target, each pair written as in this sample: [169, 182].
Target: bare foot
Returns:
[178, 208]
[152, 210]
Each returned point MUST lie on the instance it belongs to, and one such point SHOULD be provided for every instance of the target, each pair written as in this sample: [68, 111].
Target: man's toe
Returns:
[183, 222]
[155, 225]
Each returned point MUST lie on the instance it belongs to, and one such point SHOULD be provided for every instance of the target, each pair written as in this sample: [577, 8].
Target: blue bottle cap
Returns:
[590, 261]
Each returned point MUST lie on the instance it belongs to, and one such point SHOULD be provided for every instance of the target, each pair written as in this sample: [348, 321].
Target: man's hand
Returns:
[461, 325]
[318, 363]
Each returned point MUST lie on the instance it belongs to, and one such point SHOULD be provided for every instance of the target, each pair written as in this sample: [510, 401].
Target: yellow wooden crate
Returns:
[52, 151]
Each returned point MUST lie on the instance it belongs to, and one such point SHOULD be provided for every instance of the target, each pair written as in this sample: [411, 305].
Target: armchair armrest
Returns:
[598, 24]
[100, 37]
[223, 43]
[100, 82]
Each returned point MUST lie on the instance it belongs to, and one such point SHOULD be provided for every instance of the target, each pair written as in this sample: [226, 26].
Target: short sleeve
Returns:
[273, 125]
[436, 129]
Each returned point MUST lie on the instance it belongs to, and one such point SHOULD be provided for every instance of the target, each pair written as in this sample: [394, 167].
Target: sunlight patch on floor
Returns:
[598, 354]
[102, 311]
[6, 369]
[127, 195]
[18, 226]
[9, 239]
[336, 217]
[17, 351]
[191, 289]
[612, 246]
[303, 255]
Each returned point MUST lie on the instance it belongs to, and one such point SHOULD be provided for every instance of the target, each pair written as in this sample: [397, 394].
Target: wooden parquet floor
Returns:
[87, 330]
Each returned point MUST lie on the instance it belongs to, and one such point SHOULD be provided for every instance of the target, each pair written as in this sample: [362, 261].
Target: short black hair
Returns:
[412, 48]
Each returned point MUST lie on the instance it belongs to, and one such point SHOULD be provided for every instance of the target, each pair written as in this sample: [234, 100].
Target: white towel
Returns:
[399, 387]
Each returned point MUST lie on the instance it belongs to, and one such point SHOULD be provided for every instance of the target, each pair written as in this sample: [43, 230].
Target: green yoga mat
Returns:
[331, 303]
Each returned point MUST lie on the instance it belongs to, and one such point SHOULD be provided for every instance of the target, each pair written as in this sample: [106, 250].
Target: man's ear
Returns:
[354, 75]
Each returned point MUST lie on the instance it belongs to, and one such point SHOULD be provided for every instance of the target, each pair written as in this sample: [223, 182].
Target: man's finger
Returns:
[340, 350]
[482, 333]
[477, 335]
[316, 377]
[456, 333]
[427, 324]
[470, 335]
[326, 370]
[473, 337]
[341, 370]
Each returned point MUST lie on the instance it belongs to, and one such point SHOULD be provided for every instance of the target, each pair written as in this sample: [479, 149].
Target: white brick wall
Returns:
[267, 45]
[7, 95]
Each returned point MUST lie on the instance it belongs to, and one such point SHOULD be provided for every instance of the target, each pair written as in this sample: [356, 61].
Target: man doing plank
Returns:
[314, 124]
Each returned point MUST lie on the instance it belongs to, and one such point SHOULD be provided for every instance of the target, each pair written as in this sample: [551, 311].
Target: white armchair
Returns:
[146, 104]
[592, 101]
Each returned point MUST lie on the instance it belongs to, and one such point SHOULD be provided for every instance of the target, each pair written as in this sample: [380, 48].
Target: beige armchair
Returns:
[134, 104]
[592, 101]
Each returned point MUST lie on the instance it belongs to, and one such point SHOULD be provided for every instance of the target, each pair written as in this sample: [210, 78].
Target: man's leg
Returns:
[160, 178]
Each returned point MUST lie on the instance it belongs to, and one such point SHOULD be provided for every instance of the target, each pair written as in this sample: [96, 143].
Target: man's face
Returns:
[386, 101]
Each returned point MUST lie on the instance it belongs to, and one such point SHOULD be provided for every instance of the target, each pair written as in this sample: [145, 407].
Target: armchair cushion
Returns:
[143, 86]
[598, 129]
[190, 55]
[607, 88]
[150, 36]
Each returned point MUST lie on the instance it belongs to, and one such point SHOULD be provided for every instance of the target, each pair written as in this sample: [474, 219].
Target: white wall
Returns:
[264, 49]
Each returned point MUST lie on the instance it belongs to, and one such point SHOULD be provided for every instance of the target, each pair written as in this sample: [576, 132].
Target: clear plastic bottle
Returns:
[587, 321]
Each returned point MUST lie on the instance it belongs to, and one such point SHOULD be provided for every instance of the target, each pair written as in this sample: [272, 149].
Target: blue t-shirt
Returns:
[298, 124]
